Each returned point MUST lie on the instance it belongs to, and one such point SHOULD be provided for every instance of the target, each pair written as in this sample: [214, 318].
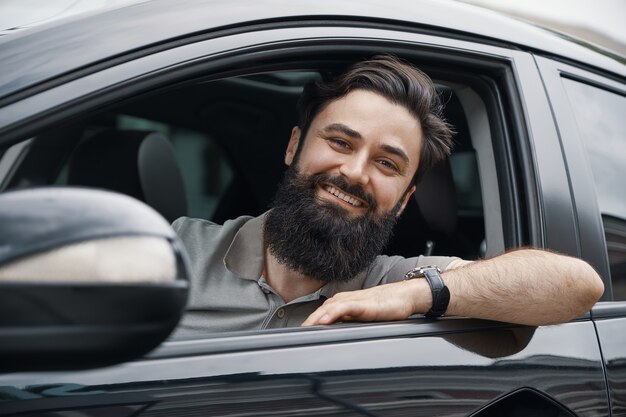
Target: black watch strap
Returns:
[438, 289]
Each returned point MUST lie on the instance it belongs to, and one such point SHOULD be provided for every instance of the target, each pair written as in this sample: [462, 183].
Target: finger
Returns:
[338, 311]
[314, 317]
[328, 313]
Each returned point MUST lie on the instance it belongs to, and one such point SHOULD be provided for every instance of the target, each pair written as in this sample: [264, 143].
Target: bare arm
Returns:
[525, 286]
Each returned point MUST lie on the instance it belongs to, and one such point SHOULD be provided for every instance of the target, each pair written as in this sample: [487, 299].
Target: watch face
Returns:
[419, 271]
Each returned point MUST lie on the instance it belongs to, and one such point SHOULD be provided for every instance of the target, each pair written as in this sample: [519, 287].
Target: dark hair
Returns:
[400, 83]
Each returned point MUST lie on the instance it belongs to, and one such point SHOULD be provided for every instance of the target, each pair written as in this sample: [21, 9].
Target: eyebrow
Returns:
[396, 151]
[340, 127]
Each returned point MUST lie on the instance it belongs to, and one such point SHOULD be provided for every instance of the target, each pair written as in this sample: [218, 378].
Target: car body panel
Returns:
[68, 44]
[593, 247]
[116, 76]
[555, 215]
[432, 373]
[613, 340]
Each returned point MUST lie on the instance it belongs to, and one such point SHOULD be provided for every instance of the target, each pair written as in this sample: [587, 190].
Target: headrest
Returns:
[137, 163]
[436, 198]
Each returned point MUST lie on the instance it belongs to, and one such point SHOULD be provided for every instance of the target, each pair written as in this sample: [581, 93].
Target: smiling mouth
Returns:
[342, 196]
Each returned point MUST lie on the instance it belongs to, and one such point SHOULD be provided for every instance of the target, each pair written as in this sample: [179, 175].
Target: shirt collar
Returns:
[246, 253]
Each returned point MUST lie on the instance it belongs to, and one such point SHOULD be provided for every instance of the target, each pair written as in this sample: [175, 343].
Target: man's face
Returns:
[367, 140]
[335, 210]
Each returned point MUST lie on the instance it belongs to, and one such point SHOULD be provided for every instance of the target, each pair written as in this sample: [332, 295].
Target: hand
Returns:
[395, 301]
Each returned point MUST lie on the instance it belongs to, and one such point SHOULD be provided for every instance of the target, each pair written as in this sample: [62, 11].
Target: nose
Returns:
[354, 168]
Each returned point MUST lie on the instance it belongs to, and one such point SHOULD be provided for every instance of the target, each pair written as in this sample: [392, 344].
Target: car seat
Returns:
[141, 164]
[429, 221]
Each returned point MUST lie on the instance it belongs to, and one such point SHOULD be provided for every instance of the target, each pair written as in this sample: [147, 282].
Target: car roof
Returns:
[66, 45]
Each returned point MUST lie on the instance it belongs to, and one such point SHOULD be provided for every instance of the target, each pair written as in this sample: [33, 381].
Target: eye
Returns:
[339, 143]
[388, 165]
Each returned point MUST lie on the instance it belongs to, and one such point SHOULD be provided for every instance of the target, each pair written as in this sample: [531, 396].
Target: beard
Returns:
[319, 239]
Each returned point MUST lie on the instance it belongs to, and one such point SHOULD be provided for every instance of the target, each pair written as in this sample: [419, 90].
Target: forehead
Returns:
[375, 118]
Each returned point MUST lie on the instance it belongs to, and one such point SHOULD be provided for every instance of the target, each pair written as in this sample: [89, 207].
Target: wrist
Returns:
[440, 295]
[420, 295]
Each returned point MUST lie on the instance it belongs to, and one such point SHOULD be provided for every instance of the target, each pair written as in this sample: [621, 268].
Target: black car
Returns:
[540, 160]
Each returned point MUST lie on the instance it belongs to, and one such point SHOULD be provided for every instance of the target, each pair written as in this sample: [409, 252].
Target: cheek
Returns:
[387, 193]
[315, 159]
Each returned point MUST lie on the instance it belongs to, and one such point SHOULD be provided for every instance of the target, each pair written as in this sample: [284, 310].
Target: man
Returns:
[363, 141]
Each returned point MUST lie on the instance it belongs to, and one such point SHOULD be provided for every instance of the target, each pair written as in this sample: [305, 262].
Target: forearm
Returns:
[525, 286]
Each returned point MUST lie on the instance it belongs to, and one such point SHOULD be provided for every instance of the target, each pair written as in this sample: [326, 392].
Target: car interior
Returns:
[214, 150]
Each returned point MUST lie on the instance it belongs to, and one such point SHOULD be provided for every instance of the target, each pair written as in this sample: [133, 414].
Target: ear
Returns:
[292, 147]
[406, 200]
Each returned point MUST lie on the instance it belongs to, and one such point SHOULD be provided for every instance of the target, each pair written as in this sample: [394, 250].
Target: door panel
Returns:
[613, 342]
[445, 374]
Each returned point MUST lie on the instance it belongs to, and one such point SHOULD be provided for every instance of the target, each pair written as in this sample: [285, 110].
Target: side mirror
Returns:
[87, 278]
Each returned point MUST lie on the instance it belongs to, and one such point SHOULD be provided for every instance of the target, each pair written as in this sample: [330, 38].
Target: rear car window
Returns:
[600, 118]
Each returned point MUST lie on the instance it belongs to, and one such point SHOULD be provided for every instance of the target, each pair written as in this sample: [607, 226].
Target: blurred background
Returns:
[601, 22]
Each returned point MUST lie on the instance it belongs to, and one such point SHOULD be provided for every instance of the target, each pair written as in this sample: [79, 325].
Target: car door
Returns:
[447, 367]
[589, 108]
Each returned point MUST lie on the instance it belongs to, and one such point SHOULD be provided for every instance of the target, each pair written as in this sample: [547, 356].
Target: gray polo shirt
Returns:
[228, 291]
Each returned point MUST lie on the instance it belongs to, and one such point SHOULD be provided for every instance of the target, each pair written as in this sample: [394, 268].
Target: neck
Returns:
[289, 284]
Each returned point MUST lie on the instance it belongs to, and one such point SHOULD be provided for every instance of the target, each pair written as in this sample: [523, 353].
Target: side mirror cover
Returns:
[87, 278]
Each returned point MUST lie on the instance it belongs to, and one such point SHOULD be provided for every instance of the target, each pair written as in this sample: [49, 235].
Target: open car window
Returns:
[227, 137]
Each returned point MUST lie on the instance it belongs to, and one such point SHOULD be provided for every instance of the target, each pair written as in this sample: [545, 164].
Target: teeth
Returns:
[346, 198]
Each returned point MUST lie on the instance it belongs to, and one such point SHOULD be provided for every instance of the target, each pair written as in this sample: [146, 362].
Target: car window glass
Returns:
[600, 118]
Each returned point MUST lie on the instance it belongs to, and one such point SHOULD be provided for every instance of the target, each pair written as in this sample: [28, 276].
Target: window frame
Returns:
[589, 222]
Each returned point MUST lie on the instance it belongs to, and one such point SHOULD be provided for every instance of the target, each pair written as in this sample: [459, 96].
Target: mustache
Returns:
[342, 183]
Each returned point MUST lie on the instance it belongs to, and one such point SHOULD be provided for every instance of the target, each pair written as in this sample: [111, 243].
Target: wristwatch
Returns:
[441, 294]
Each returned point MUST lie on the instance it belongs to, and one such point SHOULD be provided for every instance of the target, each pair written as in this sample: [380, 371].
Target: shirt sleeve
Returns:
[387, 269]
